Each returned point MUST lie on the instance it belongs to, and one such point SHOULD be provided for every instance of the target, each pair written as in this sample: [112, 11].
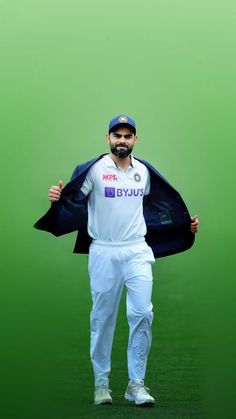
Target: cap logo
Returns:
[123, 118]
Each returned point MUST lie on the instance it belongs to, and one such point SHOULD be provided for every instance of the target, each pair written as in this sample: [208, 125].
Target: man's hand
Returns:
[54, 193]
[194, 224]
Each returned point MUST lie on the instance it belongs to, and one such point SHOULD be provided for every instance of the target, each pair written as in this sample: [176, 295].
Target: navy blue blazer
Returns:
[166, 215]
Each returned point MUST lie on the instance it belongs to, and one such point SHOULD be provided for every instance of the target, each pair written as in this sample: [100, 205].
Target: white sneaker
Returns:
[102, 395]
[138, 393]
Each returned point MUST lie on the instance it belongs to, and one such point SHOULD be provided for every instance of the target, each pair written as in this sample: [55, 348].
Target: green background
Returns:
[67, 68]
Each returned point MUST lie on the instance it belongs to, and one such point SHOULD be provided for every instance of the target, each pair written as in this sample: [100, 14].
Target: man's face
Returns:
[121, 142]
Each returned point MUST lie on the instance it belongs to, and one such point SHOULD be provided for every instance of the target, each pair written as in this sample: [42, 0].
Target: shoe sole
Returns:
[144, 404]
[103, 402]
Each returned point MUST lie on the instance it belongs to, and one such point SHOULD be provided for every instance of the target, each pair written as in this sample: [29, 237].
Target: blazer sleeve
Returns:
[69, 213]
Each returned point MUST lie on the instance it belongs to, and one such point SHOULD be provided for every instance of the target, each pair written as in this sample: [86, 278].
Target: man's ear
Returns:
[107, 138]
[136, 138]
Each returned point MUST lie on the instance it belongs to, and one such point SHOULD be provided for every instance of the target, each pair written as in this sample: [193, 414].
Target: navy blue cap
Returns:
[122, 120]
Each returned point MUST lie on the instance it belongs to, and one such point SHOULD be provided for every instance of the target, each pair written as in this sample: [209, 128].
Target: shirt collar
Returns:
[110, 163]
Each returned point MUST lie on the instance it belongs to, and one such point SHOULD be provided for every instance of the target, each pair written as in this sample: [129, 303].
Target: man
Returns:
[126, 214]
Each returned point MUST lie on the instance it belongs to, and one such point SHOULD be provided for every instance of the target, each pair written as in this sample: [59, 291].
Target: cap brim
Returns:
[117, 126]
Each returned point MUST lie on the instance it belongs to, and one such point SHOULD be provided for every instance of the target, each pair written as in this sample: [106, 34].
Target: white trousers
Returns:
[111, 266]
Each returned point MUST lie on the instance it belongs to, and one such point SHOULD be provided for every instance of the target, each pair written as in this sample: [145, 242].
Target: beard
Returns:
[121, 153]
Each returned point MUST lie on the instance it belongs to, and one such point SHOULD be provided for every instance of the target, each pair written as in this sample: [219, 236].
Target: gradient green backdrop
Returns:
[67, 68]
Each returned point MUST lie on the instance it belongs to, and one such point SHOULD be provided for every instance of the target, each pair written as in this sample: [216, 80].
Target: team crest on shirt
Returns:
[137, 177]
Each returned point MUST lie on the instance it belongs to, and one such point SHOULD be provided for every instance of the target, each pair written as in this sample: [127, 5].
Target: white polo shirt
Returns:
[115, 201]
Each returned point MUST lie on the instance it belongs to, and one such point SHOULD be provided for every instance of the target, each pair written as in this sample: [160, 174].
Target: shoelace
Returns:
[141, 387]
[104, 388]
[144, 389]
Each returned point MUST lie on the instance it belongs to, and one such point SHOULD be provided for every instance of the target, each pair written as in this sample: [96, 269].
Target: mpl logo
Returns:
[110, 192]
[109, 177]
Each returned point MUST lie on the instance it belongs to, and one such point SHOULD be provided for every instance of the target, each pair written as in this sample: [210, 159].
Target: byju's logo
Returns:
[113, 192]
[110, 192]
